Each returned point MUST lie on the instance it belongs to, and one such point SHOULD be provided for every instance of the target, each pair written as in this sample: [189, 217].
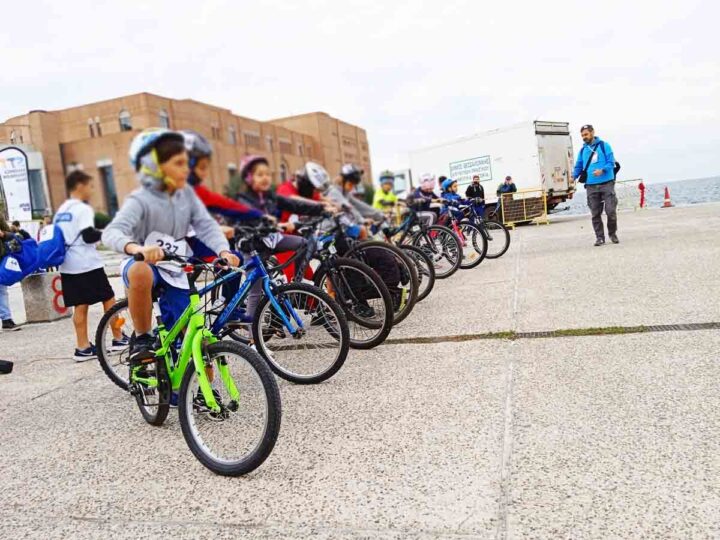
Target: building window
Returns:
[215, 131]
[232, 135]
[285, 147]
[164, 119]
[251, 139]
[270, 143]
[37, 192]
[301, 151]
[364, 146]
[125, 120]
[91, 127]
[98, 129]
[283, 172]
[13, 137]
[108, 181]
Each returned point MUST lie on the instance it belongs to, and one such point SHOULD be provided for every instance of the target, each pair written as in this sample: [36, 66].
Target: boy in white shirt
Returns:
[82, 273]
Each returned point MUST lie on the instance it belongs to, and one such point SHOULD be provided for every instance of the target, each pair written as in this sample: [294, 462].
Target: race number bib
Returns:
[170, 272]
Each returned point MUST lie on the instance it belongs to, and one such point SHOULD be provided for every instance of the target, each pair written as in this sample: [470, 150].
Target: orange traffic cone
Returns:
[668, 203]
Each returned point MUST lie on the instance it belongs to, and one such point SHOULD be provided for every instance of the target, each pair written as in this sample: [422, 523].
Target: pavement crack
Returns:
[505, 459]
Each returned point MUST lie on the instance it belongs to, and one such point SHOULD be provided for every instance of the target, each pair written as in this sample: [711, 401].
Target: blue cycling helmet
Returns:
[447, 183]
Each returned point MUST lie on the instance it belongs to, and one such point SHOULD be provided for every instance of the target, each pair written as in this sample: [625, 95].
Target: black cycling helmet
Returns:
[351, 173]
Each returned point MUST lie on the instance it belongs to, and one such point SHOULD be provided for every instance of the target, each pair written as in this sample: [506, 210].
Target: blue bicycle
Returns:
[298, 329]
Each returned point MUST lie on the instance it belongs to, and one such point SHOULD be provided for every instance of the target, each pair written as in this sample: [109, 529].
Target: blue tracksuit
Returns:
[604, 160]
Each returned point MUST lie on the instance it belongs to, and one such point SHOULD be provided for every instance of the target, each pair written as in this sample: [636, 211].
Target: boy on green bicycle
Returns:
[156, 218]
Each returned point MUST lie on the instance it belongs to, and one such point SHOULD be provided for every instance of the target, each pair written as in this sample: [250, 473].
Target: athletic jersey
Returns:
[73, 217]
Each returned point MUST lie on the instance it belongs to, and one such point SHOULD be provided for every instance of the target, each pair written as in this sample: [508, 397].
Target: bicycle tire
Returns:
[425, 269]
[503, 231]
[121, 382]
[274, 414]
[447, 233]
[401, 314]
[478, 242]
[343, 337]
[384, 327]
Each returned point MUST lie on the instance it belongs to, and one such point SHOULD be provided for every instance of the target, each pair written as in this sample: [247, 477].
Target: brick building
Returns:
[96, 138]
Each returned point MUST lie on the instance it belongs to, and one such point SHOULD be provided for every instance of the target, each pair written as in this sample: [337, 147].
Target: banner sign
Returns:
[464, 170]
[14, 184]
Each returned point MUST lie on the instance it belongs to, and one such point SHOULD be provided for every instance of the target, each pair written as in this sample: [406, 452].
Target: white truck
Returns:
[536, 154]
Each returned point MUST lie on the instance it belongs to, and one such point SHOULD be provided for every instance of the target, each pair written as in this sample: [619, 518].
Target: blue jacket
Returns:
[604, 159]
[456, 199]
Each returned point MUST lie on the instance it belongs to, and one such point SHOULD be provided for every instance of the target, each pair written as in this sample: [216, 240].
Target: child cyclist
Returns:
[255, 171]
[422, 199]
[199, 154]
[385, 198]
[154, 217]
[451, 196]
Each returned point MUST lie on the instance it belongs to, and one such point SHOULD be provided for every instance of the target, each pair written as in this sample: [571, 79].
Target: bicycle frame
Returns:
[256, 271]
[192, 321]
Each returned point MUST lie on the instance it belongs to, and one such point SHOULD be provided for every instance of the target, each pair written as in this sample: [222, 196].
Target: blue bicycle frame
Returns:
[255, 270]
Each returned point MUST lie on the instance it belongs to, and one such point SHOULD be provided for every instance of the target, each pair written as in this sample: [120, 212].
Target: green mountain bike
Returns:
[228, 400]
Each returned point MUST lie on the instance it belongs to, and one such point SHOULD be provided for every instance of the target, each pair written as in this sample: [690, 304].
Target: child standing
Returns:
[82, 273]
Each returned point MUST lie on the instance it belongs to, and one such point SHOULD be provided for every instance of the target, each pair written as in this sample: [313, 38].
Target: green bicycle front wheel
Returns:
[239, 437]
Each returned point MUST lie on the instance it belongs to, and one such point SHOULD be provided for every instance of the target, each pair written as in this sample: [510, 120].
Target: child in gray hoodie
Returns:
[156, 217]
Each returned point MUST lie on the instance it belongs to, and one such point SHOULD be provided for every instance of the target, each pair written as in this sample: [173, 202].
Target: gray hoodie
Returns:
[148, 210]
[354, 208]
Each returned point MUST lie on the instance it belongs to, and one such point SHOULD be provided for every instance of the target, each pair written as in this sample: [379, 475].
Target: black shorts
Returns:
[87, 288]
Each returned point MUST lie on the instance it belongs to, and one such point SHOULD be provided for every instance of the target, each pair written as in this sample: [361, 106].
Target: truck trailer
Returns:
[538, 155]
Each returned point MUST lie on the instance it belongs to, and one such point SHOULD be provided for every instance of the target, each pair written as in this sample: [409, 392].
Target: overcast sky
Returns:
[646, 74]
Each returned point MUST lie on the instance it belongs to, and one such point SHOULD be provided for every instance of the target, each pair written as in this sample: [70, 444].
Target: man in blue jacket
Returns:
[595, 166]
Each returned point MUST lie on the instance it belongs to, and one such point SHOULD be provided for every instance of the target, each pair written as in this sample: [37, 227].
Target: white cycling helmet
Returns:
[316, 175]
[143, 157]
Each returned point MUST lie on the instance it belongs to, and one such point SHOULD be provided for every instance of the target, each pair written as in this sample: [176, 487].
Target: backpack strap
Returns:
[587, 164]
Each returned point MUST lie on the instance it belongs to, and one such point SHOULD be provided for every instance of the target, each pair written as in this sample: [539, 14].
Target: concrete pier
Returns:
[563, 435]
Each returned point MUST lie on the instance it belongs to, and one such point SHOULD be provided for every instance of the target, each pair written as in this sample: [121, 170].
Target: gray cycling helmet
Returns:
[197, 146]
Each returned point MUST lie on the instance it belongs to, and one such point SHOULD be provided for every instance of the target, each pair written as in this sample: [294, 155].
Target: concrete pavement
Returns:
[614, 436]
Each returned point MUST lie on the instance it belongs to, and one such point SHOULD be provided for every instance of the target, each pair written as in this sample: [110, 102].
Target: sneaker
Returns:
[614, 239]
[239, 317]
[599, 242]
[83, 355]
[142, 349]
[199, 399]
[9, 324]
[119, 345]
[364, 311]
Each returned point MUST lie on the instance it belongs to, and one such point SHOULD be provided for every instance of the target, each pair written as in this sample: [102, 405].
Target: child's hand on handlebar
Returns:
[230, 257]
[150, 254]
[287, 227]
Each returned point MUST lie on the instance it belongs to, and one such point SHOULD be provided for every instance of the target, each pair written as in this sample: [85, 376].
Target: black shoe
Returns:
[599, 242]
[614, 238]
[364, 311]
[9, 324]
[142, 349]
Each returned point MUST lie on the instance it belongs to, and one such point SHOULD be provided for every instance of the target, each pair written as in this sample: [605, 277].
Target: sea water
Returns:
[682, 193]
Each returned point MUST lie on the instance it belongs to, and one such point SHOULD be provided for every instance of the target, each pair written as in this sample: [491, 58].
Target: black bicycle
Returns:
[354, 285]
[496, 234]
[438, 242]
